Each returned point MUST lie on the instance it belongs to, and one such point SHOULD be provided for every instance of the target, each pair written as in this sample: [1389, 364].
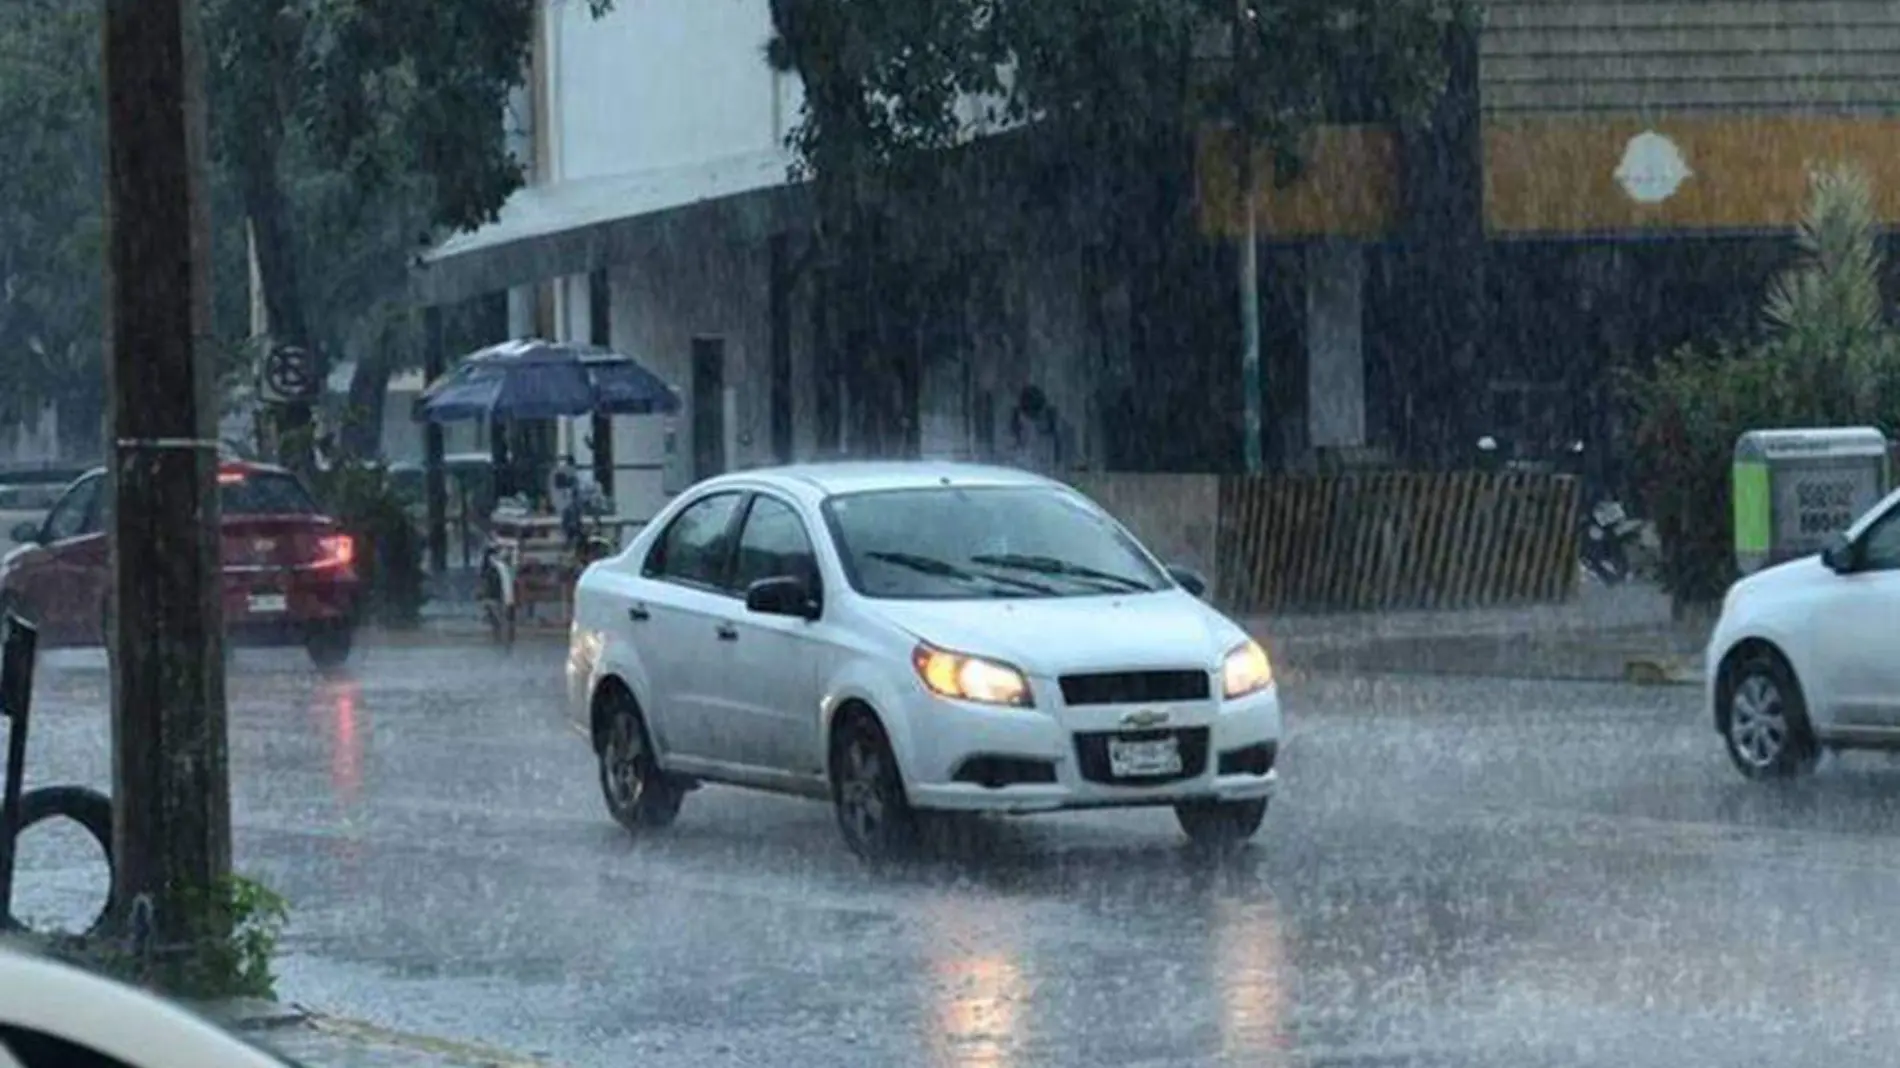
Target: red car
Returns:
[289, 570]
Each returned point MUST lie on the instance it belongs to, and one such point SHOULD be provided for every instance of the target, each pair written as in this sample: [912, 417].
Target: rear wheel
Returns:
[328, 644]
[639, 796]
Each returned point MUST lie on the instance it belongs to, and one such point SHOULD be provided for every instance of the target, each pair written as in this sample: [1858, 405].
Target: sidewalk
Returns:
[1621, 633]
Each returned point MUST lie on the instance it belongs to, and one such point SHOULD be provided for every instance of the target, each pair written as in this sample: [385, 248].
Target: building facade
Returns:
[1602, 180]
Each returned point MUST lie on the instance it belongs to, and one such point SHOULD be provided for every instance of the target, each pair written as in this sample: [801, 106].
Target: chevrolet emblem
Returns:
[1144, 718]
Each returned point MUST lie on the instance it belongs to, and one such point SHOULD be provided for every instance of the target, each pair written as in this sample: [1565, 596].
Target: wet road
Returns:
[1458, 872]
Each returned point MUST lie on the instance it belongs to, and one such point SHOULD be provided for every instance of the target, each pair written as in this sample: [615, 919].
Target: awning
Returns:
[568, 228]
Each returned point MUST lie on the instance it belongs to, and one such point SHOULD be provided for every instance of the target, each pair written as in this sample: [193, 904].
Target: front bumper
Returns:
[950, 743]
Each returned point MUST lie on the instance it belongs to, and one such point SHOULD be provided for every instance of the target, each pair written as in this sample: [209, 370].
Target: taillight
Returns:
[335, 550]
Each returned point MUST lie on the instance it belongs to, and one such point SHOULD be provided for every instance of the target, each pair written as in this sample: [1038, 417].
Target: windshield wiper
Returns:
[1049, 565]
[930, 565]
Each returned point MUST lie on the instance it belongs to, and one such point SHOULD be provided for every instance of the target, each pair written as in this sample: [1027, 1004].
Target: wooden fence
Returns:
[1395, 540]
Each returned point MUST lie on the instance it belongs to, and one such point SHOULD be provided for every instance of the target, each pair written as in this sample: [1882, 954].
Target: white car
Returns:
[1803, 656]
[54, 1014]
[898, 637]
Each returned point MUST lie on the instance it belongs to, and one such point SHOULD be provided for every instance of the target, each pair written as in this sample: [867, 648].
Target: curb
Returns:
[1663, 670]
[252, 1014]
[363, 1031]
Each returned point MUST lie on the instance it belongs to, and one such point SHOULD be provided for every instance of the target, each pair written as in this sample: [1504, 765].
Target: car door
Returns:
[1854, 627]
[773, 659]
[69, 561]
[678, 628]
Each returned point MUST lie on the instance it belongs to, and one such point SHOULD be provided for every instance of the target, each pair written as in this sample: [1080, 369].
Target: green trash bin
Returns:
[1794, 489]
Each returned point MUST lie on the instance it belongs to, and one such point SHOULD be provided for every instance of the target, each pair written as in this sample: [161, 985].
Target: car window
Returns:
[264, 493]
[696, 545]
[773, 544]
[1880, 545]
[68, 517]
[34, 1049]
[951, 542]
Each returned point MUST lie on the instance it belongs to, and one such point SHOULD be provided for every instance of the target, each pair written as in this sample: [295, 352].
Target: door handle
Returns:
[727, 632]
[638, 613]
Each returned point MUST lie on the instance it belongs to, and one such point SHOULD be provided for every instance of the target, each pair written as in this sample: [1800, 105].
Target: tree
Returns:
[1116, 92]
[386, 115]
[51, 225]
[1827, 354]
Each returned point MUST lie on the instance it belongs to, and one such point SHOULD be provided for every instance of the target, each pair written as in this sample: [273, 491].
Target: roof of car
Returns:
[248, 467]
[861, 476]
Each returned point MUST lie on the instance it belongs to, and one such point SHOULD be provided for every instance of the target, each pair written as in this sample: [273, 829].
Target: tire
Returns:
[867, 792]
[1220, 826]
[329, 645]
[639, 795]
[1764, 722]
[88, 808]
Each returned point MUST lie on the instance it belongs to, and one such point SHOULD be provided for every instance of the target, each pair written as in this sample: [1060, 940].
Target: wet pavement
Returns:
[1459, 871]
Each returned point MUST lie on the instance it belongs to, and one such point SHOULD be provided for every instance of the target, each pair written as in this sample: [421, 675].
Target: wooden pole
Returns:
[172, 821]
[435, 492]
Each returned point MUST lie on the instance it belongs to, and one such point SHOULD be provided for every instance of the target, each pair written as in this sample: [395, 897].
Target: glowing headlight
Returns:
[970, 678]
[1246, 670]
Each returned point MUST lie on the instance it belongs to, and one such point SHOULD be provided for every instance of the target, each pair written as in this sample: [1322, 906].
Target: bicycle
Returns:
[20, 810]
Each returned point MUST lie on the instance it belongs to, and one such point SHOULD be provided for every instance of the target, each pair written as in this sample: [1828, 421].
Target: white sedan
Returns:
[1803, 656]
[897, 637]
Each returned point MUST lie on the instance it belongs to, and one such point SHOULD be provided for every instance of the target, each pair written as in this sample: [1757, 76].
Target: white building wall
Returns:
[663, 83]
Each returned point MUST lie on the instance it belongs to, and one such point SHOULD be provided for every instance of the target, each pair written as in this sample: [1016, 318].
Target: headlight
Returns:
[970, 678]
[1246, 670]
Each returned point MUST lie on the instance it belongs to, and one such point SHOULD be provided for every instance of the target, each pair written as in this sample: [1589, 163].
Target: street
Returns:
[1457, 871]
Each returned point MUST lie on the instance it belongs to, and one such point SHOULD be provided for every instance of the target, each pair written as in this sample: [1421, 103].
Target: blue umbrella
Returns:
[536, 379]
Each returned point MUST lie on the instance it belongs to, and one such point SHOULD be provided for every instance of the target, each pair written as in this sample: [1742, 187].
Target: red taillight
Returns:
[335, 550]
[230, 478]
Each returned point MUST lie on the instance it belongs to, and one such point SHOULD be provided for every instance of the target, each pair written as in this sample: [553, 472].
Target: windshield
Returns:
[945, 543]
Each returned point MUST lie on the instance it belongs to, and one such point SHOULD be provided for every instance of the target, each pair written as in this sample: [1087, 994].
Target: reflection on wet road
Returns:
[1459, 872]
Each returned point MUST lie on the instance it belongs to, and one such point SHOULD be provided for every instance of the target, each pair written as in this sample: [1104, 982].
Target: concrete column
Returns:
[1335, 345]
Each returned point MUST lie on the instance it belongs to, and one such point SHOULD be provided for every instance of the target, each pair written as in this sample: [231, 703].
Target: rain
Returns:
[958, 533]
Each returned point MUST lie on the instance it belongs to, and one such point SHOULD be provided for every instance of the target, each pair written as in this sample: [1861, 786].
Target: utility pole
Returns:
[1250, 371]
[171, 792]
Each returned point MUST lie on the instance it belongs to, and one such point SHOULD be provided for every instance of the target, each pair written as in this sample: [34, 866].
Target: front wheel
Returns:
[874, 814]
[90, 809]
[1220, 826]
[328, 644]
[1765, 720]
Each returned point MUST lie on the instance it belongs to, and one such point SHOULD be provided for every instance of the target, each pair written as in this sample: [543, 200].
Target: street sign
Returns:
[289, 374]
[1794, 489]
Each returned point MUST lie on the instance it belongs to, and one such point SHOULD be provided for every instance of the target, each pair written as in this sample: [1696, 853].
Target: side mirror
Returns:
[1839, 555]
[1188, 579]
[27, 534]
[782, 595]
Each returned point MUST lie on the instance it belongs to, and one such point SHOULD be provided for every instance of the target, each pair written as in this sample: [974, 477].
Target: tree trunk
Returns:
[269, 214]
[362, 436]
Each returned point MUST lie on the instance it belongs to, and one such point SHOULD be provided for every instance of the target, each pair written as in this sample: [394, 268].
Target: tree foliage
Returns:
[52, 180]
[1114, 94]
[349, 131]
[1828, 355]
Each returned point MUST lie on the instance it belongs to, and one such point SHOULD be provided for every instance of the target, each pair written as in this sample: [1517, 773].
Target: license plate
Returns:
[1143, 759]
[264, 604]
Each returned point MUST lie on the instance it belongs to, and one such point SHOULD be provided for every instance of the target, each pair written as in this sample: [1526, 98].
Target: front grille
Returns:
[1091, 753]
[1251, 760]
[1134, 687]
[994, 772]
